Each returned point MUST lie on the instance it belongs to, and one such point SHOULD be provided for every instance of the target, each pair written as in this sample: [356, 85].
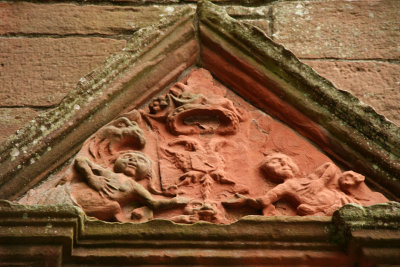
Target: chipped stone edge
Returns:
[357, 125]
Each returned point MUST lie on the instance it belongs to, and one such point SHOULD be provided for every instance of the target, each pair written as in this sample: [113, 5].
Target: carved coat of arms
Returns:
[200, 153]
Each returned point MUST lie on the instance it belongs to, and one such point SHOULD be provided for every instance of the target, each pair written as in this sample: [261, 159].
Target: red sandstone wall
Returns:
[46, 47]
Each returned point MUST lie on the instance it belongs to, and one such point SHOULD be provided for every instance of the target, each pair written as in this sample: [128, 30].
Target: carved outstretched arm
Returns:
[156, 204]
[327, 172]
[96, 176]
[273, 195]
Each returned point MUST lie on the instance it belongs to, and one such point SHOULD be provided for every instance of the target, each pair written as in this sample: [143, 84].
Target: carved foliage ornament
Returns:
[200, 153]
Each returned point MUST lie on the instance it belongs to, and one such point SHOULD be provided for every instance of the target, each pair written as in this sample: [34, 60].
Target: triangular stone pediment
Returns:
[203, 119]
[200, 153]
[238, 55]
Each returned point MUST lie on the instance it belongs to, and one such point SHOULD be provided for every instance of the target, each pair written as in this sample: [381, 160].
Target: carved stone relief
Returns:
[201, 153]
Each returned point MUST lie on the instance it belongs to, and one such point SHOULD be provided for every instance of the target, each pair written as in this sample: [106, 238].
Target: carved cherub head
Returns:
[350, 179]
[134, 164]
[202, 211]
[278, 167]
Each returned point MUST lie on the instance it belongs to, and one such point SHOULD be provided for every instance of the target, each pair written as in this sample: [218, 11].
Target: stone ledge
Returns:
[286, 239]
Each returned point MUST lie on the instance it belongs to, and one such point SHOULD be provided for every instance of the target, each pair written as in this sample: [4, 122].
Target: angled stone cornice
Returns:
[153, 58]
[273, 79]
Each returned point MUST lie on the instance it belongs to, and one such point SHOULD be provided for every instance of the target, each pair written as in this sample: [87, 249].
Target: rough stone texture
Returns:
[375, 83]
[152, 59]
[338, 122]
[263, 24]
[41, 71]
[62, 236]
[63, 19]
[339, 29]
[246, 12]
[11, 119]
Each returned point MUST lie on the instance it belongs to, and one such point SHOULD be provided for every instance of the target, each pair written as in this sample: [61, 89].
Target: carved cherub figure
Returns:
[352, 183]
[311, 195]
[114, 190]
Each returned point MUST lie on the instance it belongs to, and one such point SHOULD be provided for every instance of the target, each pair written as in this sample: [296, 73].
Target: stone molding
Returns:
[64, 235]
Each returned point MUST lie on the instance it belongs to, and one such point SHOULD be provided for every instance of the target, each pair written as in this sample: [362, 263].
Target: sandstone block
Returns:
[339, 29]
[11, 119]
[67, 19]
[41, 71]
[375, 83]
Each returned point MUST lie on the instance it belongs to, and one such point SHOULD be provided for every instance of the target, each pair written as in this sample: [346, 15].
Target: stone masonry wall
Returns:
[46, 47]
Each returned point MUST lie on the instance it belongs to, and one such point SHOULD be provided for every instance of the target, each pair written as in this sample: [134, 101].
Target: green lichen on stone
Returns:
[367, 135]
[51, 128]
[351, 217]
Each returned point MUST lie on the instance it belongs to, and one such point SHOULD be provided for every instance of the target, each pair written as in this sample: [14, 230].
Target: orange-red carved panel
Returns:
[201, 153]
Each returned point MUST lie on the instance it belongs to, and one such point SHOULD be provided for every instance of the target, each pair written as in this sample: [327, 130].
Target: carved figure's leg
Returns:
[269, 210]
[241, 201]
[305, 209]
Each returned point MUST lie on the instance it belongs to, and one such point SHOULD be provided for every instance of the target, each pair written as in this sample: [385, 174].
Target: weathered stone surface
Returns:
[246, 12]
[263, 24]
[339, 29]
[11, 119]
[279, 84]
[41, 71]
[66, 19]
[154, 58]
[289, 241]
[62, 19]
[375, 83]
[207, 140]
